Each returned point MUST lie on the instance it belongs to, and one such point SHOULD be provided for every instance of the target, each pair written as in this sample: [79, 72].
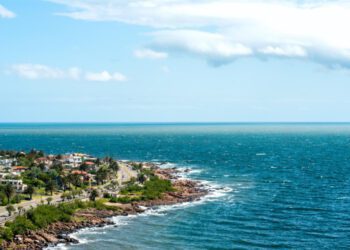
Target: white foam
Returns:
[58, 247]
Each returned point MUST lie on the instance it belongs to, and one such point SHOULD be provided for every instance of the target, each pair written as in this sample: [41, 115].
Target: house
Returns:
[90, 165]
[17, 184]
[84, 176]
[43, 160]
[18, 170]
[75, 160]
[7, 162]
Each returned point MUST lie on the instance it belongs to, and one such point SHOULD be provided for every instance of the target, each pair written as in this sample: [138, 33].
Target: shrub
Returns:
[6, 233]
[43, 215]
[21, 225]
[106, 195]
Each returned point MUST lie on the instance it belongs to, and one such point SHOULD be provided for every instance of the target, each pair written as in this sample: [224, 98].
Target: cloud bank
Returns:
[5, 13]
[39, 71]
[220, 31]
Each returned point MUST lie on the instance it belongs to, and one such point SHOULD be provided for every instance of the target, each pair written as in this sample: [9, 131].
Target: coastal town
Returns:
[93, 187]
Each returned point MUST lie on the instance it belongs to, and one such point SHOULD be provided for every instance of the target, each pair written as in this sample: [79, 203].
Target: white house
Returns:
[17, 184]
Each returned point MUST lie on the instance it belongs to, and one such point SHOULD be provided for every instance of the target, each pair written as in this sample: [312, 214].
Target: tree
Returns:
[20, 209]
[102, 174]
[114, 166]
[50, 186]
[30, 191]
[93, 195]
[10, 209]
[141, 178]
[9, 191]
[49, 200]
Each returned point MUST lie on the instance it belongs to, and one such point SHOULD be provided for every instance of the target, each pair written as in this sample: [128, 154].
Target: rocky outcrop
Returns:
[185, 191]
[58, 232]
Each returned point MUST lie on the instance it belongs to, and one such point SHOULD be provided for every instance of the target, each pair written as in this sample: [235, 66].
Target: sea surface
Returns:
[273, 186]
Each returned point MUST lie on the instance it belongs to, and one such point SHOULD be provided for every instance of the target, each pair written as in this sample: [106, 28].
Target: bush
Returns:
[44, 215]
[21, 225]
[106, 195]
[152, 189]
[132, 188]
[6, 233]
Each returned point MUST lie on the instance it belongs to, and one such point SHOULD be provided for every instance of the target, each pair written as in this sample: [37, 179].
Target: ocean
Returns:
[272, 186]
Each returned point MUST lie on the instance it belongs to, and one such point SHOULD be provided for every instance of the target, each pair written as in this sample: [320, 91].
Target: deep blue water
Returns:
[285, 185]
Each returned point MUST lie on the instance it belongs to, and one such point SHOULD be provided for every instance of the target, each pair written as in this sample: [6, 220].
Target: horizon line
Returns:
[182, 122]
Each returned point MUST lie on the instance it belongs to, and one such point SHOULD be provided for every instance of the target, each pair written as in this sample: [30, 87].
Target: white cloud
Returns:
[39, 71]
[105, 76]
[5, 13]
[223, 30]
[216, 47]
[149, 53]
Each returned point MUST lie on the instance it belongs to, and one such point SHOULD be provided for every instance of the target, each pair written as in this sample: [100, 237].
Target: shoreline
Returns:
[186, 190]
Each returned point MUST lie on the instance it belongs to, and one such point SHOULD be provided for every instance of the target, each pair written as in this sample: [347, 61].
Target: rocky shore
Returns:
[58, 233]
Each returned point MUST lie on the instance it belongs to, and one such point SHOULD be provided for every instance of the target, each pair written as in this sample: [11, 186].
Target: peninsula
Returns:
[44, 198]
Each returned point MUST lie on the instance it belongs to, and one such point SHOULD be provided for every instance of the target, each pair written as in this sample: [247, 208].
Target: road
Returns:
[125, 173]
[26, 205]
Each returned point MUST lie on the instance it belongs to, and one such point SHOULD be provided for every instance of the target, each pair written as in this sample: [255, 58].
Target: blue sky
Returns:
[174, 61]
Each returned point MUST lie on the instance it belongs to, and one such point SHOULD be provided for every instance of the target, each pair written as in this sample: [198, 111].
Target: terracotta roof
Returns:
[19, 168]
[79, 172]
[89, 163]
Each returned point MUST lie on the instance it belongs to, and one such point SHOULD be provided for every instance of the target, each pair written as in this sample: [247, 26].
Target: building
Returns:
[17, 170]
[17, 184]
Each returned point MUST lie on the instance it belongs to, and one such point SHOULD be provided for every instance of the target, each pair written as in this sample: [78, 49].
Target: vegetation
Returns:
[10, 209]
[8, 191]
[93, 195]
[43, 215]
[150, 190]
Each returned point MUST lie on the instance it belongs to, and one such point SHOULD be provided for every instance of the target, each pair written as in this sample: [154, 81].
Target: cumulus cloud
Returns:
[149, 53]
[40, 71]
[105, 76]
[223, 30]
[5, 13]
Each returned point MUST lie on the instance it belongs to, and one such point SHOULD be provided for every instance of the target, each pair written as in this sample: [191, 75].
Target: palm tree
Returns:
[9, 191]
[114, 166]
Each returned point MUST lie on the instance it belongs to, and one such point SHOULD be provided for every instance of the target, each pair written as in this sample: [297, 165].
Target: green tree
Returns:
[50, 187]
[93, 195]
[114, 166]
[10, 209]
[9, 191]
[102, 174]
[20, 209]
[30, 191]
[49, 200]
[141, 178]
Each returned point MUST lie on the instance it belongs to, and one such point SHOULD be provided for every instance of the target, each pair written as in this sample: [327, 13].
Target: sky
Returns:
[174, 61]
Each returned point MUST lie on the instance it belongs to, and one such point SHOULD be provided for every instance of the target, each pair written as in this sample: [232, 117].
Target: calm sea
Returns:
[274, 186]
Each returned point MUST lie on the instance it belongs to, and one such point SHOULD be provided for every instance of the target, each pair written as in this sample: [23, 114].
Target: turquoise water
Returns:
[274, 186]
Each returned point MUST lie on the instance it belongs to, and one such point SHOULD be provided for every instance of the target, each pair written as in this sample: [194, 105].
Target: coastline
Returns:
[186, 190]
